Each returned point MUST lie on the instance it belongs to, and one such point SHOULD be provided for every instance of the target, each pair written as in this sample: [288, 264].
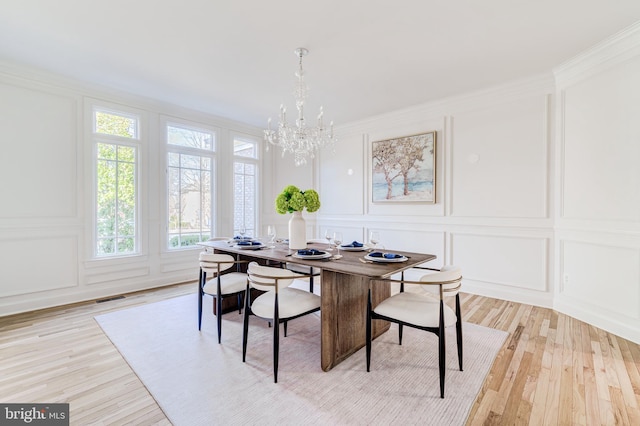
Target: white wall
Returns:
[598, 219]
[46, 200]
[493, 190]
[533, 211]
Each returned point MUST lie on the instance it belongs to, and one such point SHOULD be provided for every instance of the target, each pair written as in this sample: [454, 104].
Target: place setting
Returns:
[311, 254]
[383, 257]
[354, 246]
[375, 255]
[249, 245]
[243, 242]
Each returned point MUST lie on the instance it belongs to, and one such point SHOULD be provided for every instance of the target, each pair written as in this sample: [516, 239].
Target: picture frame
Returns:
[403, 169]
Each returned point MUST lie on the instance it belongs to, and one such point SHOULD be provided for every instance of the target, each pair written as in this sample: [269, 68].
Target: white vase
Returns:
[297, 232]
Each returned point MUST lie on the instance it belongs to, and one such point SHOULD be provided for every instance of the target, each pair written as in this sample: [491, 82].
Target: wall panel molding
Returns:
[582, 279]
[49, 149]
[118, 275]
[503, 260]
[37, 263]
[501, 167]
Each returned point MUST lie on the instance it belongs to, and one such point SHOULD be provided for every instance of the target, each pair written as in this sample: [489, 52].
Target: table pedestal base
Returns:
[344, 312]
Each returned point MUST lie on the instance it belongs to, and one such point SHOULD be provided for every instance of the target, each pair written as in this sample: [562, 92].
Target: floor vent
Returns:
[109, 299]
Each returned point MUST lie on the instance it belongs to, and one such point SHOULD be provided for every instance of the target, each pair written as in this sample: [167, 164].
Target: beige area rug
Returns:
[197, 381]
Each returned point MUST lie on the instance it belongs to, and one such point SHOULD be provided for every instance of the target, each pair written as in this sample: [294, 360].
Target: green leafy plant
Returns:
[292, 199]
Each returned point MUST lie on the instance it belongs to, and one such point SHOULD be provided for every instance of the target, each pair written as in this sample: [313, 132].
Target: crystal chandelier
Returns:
[300, 140]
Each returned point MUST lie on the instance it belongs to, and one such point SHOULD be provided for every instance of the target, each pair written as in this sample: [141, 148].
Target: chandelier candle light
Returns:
[300, 140]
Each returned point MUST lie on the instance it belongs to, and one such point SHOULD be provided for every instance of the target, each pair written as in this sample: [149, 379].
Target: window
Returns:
[116, 192]
[190, 189]
[245, 186]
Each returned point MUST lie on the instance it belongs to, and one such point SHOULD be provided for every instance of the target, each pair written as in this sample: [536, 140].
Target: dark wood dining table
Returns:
[345, 283]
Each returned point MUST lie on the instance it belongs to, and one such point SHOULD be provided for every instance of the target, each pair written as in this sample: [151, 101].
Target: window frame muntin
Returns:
[256, 161]
[136, 143]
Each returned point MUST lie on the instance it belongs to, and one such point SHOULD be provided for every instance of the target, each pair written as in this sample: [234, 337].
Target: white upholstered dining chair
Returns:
[222, 284]
[278, 304]
[423, 311]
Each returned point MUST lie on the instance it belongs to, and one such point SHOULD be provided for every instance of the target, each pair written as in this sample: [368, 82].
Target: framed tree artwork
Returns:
[404, 169]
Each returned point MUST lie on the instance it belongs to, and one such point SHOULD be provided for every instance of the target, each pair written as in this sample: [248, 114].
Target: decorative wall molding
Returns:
[596, 145]
[35, 114]
[510, 259]
[583, 280]
[118, 275]
[534, 111]
[38, 264]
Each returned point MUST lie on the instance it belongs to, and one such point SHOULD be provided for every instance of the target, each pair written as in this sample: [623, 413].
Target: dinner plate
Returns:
[249, 247]
[347, 248]
[324, 255]
[385, 260]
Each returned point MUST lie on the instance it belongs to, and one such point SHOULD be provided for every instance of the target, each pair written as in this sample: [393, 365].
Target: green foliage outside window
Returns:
[117, 125]
[115, 186]
[116, 199]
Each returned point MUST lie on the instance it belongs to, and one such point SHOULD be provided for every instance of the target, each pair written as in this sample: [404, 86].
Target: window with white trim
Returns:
[245, 186]
[190, 185]
[116, 146]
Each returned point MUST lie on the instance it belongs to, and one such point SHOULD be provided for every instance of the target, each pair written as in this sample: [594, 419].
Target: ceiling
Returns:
[234, 58]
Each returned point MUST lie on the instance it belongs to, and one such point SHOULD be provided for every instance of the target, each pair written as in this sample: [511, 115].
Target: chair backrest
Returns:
[266, 278]
[449, 276]
[211, 263]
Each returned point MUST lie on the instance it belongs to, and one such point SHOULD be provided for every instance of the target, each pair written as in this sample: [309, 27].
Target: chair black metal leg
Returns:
[311, 282]
[219, 316]
[441, 349]
[285, 328]
[400, 334]
[276, 340]
[245, 328]
[459, 330]
[239, 303]
[200, 296]
[368, 328]
[219, 306]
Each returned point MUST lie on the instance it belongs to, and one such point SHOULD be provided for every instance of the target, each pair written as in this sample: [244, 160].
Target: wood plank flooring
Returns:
[552, 370]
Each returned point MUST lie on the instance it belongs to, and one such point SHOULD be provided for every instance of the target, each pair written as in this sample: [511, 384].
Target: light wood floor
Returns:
[553, 369]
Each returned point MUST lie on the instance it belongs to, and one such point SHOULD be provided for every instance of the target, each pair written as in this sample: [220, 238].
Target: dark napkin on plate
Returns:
[249, 243]
[353, 244]
[385, 255]
[239, 237]
[310, 252]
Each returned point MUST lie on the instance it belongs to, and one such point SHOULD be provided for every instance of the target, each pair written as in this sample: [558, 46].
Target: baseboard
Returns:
[612, 322]
[519, 295]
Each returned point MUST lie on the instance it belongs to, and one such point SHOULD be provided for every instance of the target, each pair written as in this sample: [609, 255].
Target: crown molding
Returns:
[612, 51]
[506, 92]
[31, 76]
